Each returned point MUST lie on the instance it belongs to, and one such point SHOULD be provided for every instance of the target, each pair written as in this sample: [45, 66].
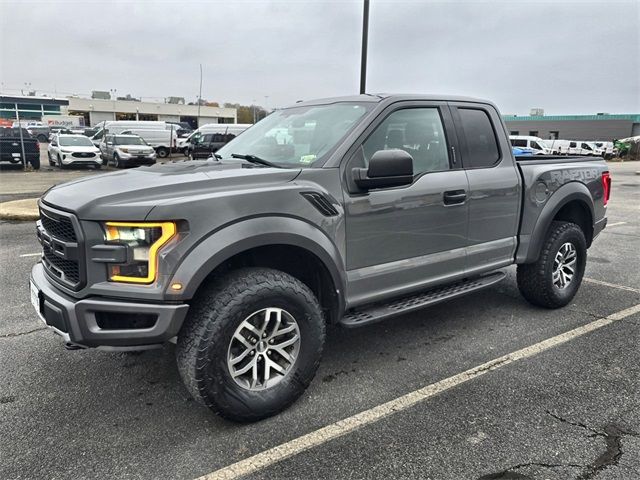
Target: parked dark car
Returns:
[11, 148]
[209, 143]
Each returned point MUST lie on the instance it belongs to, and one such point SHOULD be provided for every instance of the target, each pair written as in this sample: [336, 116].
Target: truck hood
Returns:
[130, 195]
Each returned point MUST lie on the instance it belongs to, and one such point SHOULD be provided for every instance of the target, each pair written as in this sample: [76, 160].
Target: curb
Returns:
[22, 210]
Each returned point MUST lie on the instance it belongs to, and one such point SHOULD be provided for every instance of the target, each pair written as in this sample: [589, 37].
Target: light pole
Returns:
[254, 110]
[365, 36]
[113, 99]
[200, 95]
[266, 109]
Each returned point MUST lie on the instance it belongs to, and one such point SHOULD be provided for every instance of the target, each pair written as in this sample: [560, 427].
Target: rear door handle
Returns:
[454, 197]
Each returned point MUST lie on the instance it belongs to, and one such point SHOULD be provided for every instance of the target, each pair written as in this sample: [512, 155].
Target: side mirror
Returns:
[387, 168]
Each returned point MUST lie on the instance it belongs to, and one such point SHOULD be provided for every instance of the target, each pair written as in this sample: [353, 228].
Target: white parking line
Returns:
[616, 224]
[612, 285]
[30, 254]
[350, 424]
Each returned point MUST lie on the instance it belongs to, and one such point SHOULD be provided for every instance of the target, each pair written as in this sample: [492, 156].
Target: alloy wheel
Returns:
[263, 349]
[564, 265]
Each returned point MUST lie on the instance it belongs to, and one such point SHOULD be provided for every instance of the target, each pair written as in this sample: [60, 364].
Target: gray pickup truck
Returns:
[338, 211]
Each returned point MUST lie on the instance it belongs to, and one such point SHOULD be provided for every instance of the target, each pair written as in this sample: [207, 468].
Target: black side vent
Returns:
[322, 203]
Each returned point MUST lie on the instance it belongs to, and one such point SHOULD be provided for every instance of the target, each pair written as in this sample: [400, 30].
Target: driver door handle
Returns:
[454, 197]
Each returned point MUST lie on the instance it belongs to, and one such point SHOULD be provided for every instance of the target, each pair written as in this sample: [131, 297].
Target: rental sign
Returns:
[62, 121]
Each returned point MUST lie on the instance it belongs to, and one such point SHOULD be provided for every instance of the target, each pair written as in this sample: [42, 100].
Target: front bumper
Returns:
[69, 159]
[90, 322]
[137, 159]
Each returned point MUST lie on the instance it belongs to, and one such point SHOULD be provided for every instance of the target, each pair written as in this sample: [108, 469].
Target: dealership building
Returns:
[94, 110]
[602, 126]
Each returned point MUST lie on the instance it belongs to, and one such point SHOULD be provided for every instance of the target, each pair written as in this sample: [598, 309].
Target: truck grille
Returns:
[61, 228]
[59, 234]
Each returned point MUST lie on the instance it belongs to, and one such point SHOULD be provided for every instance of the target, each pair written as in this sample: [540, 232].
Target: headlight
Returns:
[124, 150]
[62, 150]
[144, 240]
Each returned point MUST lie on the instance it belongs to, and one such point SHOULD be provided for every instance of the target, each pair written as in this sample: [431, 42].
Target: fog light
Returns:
[176, 286]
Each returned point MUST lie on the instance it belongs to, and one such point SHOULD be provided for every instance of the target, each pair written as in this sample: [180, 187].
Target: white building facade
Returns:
[98, 110]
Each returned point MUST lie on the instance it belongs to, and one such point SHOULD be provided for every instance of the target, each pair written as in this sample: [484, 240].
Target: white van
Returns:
[119, 126]
[235, 129]
[162, 141]
[535, 144]
[579, 147]
[602, 149]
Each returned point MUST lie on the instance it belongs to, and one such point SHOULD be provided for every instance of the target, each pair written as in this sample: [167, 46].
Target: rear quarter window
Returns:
[482, 145]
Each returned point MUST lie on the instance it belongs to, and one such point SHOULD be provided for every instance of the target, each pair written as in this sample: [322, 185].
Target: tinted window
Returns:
[417, 131]
[572, 145]
[516, 142]
[481, 139]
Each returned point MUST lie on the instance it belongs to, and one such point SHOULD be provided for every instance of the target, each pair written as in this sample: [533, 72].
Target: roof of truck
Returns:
[380, 97]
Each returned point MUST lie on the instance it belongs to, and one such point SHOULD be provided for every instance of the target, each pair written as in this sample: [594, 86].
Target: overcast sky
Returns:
[563, 56]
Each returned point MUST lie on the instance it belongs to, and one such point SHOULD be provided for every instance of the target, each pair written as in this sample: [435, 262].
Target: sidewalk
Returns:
[26, 209]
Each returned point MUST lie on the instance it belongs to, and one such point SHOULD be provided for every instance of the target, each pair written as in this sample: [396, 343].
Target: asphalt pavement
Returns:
[569, 412]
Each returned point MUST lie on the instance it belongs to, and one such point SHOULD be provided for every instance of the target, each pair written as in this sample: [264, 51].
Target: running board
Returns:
[381, 311]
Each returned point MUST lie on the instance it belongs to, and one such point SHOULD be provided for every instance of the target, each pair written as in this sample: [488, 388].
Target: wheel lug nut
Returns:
[271, 341]
[264, 335]
[252, 353]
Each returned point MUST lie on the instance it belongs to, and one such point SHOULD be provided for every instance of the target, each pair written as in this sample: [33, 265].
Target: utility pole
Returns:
[200, 96]
[365, 35]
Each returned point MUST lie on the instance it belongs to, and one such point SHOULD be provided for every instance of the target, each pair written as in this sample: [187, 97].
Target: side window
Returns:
[419, 132]
[535, 145]
[482, 145]
[518, 142]
[572, 145]
[207, 138]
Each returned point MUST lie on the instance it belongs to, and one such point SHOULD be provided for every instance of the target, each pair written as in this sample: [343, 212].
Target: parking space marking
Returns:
[30, 254]
[616, 224]
[359, 420]
[612, 285]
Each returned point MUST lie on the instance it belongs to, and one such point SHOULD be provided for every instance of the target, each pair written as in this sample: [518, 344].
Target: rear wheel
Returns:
[162, 152]
[251, 344]
[553, 280]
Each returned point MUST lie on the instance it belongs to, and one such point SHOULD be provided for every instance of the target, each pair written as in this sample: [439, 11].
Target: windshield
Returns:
[297, 136]
[74, 142]
[129, 141]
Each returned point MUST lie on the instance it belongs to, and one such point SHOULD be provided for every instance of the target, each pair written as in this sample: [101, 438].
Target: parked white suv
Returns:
[68, 150]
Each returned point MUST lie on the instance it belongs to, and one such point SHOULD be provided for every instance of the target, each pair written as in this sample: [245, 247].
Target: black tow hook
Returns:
[72, 346]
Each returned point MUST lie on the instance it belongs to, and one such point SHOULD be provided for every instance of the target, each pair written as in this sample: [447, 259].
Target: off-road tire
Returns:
[214, 315]
[535, 280]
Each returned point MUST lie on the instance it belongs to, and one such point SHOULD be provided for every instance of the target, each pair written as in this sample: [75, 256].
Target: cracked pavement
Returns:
[571, 412]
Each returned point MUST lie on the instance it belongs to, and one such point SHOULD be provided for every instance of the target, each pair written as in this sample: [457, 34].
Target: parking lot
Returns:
[567, 408]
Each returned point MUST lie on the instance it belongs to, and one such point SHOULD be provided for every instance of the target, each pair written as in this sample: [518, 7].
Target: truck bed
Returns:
[548, 159]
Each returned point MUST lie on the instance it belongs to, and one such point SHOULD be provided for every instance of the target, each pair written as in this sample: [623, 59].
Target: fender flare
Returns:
[246, 234]
[529, 252]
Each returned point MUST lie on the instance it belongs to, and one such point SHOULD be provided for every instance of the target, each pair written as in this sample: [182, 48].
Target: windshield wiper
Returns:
[254, 159]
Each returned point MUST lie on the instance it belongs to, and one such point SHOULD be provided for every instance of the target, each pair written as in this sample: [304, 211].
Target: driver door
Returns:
[401, 239]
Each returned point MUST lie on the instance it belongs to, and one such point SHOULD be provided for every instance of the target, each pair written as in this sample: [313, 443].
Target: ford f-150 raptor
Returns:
[345, 210]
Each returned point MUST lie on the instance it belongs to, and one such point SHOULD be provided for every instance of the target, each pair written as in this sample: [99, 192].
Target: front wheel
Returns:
[553, 280]
[116, 161]
[162, 152]
[251, 343]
